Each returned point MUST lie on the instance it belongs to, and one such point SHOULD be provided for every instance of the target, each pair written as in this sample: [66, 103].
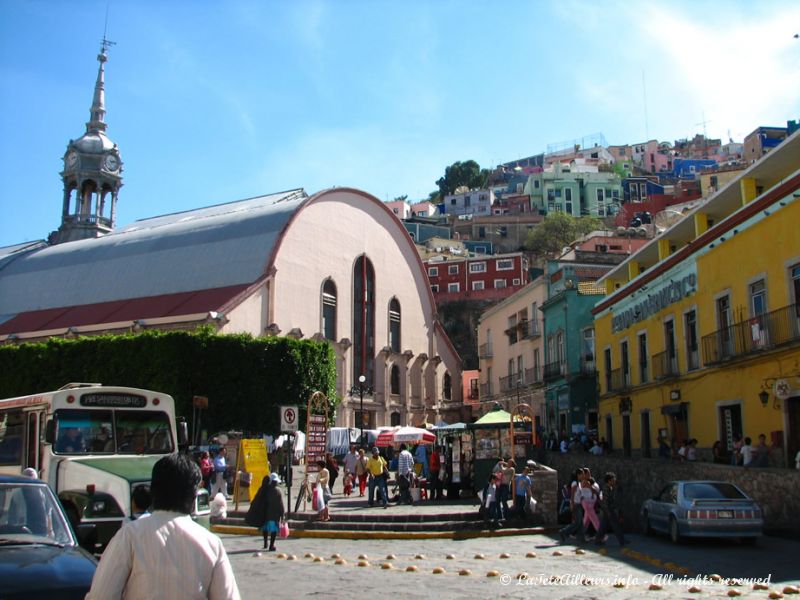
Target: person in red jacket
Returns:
[434, 468]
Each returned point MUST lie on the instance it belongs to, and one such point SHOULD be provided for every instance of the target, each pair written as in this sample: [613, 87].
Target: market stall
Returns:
[491, 440]
[457, 459]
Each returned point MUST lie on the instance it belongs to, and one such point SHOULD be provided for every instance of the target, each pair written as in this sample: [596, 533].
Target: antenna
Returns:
[106, 42]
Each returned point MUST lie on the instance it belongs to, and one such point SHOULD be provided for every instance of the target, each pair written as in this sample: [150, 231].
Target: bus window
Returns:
[78, 429]
[11, 430]
[145, 432]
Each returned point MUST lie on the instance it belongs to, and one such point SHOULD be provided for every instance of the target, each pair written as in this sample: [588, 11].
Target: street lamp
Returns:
[360, 389]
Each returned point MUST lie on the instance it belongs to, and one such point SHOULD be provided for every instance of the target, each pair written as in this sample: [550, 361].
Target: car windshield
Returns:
[712, 491]
[30, 514]
[119, 431]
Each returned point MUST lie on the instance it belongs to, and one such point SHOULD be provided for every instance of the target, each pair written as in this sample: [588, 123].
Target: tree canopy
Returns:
[556, 231]
[467, 173]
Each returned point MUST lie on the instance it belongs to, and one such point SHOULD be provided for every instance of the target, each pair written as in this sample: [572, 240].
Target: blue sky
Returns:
[215, 101]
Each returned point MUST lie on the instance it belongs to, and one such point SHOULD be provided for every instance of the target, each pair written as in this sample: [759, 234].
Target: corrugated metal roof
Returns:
[208, 248]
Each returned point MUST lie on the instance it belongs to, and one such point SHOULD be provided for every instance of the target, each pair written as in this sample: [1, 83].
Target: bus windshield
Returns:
[112, 432]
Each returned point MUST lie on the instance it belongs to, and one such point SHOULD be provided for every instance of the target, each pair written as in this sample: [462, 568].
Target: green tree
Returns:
[467, 173]
[402, 198]
[556, 231]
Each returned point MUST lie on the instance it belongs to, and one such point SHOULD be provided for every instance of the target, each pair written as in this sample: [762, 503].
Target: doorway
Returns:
[730, 424]
[793, 429]
[626, 435]
[646, 434]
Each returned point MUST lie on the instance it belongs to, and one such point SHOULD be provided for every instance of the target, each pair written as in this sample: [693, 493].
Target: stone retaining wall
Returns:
[545, 490]
[777, 491]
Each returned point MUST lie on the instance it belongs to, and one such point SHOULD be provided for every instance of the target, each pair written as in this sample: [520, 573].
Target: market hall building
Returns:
[336, 265]
[698, 335]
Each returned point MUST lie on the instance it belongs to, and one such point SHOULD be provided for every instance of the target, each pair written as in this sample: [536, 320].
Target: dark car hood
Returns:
[37, 571]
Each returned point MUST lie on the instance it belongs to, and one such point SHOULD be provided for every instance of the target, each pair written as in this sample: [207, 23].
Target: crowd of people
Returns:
[592, 510]
[507, 485]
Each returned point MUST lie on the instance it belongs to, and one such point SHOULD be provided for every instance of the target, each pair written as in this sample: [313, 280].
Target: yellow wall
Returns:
[765, 249]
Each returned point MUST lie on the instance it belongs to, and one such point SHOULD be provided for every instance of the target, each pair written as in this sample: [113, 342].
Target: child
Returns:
[588, 502]
[522, 491]
[348, 484]
[490, 501]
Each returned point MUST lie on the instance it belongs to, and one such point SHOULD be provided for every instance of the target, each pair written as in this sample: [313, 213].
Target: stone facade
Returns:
[545, 490]
[775, 490]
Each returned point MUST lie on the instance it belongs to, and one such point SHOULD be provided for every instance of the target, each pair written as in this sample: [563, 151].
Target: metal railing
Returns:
[620, 380]
[588, 366]
[664, 365]
[485, 391]
[754, 335]
[533, 375]
[530, 329]
[485, 351]
[553, 370]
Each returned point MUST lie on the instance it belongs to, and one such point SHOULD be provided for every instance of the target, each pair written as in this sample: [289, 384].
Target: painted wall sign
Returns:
[642, 309]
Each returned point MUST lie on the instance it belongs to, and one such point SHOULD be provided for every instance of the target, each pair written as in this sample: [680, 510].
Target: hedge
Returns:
[245, 379]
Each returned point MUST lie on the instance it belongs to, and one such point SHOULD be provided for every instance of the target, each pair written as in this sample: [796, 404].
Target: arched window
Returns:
[394, 325]
[394, 379]
[447, 387]
[363, 320]
[329, 309]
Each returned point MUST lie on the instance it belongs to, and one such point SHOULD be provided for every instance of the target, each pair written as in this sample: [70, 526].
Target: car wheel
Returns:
[674, 534]
[646, 528]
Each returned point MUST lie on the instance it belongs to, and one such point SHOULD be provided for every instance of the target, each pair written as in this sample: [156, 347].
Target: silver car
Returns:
[702, 509]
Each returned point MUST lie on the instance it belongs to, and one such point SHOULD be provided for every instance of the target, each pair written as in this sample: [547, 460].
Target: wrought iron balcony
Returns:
[485, 351]
[665, 366]
[754, 335]
[554, 370]
[510, 383]
[485, 391]
[620, 380]
[529, 329]
[533, 376]
[588, 366]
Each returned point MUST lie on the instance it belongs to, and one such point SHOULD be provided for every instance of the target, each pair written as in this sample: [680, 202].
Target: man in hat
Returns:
[378, 470]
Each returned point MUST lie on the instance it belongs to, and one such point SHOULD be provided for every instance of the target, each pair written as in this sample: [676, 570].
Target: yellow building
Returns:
[699, 333]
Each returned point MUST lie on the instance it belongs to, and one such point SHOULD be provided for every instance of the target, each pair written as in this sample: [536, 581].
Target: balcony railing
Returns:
[485, 351]
[664, 365]
[588, 366]
[757, 334]
[530, 329]
[510, 383]
[553, 370]
[485, 391]
[533, 375]
[620, 380]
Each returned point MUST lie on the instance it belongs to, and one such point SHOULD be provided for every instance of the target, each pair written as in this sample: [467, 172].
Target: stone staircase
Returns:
[395, 522]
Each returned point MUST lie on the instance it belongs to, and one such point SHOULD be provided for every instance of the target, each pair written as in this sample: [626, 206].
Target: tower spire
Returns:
[98, 111]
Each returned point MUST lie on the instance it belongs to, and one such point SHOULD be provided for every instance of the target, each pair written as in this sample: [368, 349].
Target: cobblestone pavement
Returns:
[514, 567]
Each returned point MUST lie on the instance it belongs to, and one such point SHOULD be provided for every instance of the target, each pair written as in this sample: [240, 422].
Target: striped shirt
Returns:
[166, 555]
[405, 463]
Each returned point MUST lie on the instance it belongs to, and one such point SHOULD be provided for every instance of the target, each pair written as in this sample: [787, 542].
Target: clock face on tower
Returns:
[72, 159]
[111, 162]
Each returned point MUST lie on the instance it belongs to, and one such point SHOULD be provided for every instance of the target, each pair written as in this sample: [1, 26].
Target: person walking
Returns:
[350, 460]
[167, 555]
[361, 472]
[378, 470]
[611, 509]
[405, 474]
[266, 510]
[322, 491]
[576, 526]
[434, 468]
[522, 491]
[504, 492]
[333, 469]
[220, 466]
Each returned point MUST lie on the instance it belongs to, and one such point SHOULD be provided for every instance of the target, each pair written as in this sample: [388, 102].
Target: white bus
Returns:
[93, 444]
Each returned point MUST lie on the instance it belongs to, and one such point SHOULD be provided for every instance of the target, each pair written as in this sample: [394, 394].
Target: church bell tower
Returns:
[92, 173]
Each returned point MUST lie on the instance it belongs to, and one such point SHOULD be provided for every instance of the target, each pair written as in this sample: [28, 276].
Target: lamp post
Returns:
[360, 389]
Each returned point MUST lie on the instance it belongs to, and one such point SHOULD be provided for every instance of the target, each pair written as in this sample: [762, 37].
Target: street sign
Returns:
[289, 417]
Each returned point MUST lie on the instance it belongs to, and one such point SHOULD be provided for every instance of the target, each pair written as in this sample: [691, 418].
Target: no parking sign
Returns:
[289, 418]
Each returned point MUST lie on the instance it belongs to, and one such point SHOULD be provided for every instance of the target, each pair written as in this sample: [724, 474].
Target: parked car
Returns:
[702, 509]
[39, 554]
